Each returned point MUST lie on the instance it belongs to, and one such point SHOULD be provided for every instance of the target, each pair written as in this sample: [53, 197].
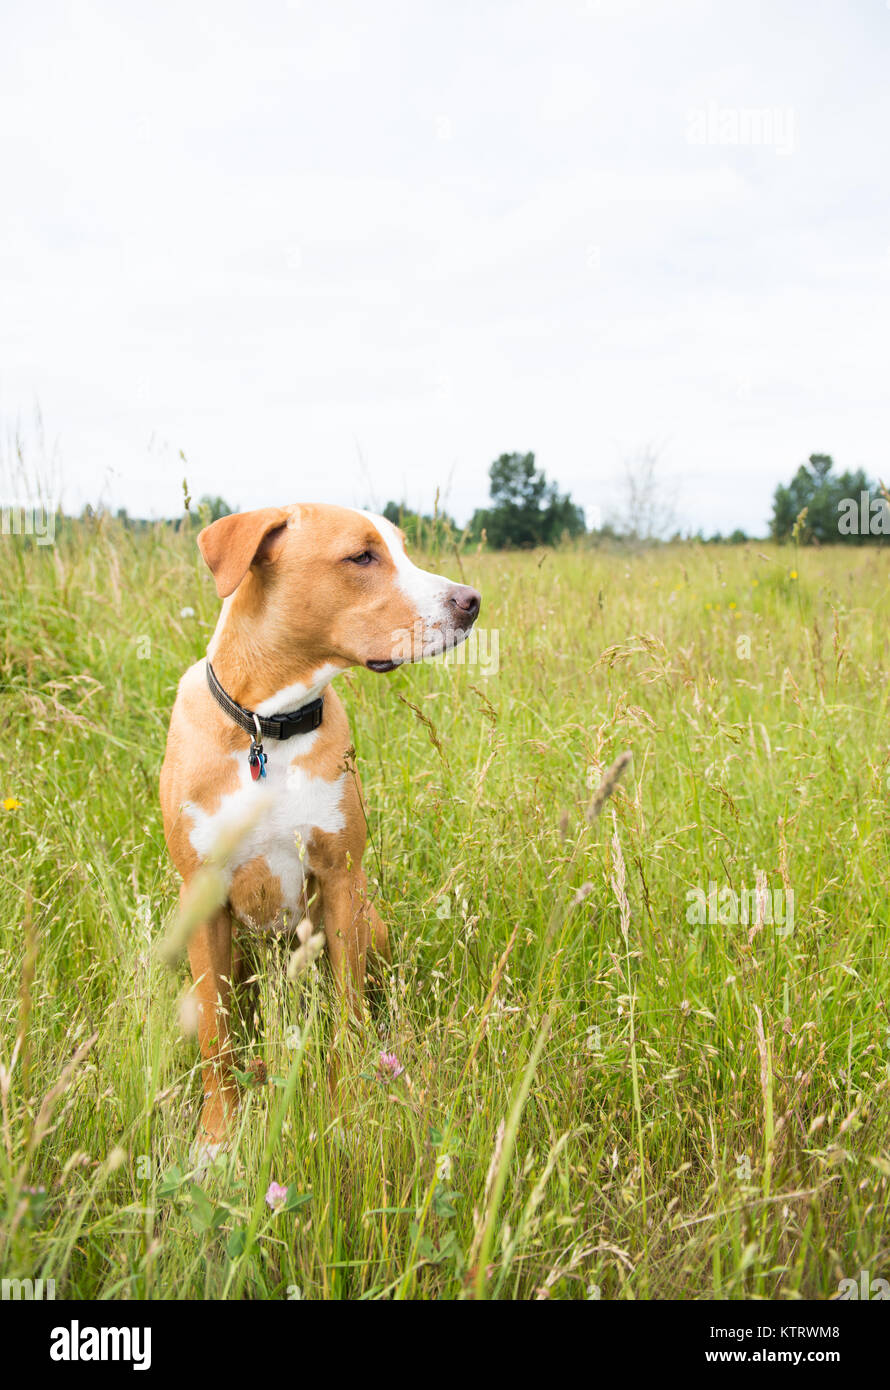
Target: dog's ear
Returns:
[231, 545]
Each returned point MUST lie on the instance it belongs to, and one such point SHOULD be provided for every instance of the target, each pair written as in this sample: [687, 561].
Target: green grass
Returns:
[589, 1102]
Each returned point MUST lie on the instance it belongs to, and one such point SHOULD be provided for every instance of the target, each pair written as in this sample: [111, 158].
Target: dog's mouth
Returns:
[435, 645]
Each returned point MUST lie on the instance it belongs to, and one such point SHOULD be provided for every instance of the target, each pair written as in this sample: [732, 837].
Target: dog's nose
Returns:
[466, 603]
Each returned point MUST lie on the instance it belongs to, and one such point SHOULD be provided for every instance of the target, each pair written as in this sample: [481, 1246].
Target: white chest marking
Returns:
[294, 803]
[293, 696]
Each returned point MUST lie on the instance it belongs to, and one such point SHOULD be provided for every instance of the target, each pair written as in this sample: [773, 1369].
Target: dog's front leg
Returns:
[210, 958]
[353, 927]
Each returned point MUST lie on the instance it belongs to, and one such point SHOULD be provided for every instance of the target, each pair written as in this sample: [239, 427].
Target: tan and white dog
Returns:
[307, 592]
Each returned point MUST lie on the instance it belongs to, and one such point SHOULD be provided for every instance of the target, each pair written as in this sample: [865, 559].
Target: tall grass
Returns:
[600, 1097]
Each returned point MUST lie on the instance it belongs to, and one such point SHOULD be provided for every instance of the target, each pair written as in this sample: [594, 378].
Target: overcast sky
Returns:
[350, 251]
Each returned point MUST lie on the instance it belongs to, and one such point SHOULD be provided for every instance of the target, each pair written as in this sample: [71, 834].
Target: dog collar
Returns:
[280, 726]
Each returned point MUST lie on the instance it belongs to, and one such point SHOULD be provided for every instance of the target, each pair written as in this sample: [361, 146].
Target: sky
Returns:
[352, 252]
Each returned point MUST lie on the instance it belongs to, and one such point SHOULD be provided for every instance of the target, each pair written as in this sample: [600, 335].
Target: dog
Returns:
[259, 739]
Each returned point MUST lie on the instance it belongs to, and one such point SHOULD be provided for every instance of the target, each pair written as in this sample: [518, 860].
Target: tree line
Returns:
[819, 506]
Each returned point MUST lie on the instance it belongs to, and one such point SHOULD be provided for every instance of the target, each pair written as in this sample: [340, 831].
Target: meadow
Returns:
[602, 1095]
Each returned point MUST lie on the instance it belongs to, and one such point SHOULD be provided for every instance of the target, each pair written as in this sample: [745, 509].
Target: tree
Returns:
[826, 497]
[526, 510]
[421, 529]
[213, 507]
[649, 510]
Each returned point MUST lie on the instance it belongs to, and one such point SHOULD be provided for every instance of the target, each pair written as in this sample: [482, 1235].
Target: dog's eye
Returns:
[364, 558]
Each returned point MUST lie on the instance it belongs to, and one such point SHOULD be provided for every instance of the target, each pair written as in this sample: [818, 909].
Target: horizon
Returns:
[853, 511]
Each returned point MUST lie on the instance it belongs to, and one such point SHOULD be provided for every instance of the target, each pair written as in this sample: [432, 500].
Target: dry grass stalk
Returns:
[607, 785]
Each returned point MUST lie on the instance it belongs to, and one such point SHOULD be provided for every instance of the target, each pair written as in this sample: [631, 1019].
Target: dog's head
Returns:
[335, 583]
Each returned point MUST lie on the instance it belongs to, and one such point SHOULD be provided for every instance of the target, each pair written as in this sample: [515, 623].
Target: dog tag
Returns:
[256, 762]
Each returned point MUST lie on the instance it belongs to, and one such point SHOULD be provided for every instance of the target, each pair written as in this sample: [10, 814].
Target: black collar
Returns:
[281, 726]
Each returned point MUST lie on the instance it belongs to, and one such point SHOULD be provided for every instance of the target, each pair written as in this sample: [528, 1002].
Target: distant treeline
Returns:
[525, 510]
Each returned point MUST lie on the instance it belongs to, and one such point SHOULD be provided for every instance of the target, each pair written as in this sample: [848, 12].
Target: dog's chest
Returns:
[269, 826]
